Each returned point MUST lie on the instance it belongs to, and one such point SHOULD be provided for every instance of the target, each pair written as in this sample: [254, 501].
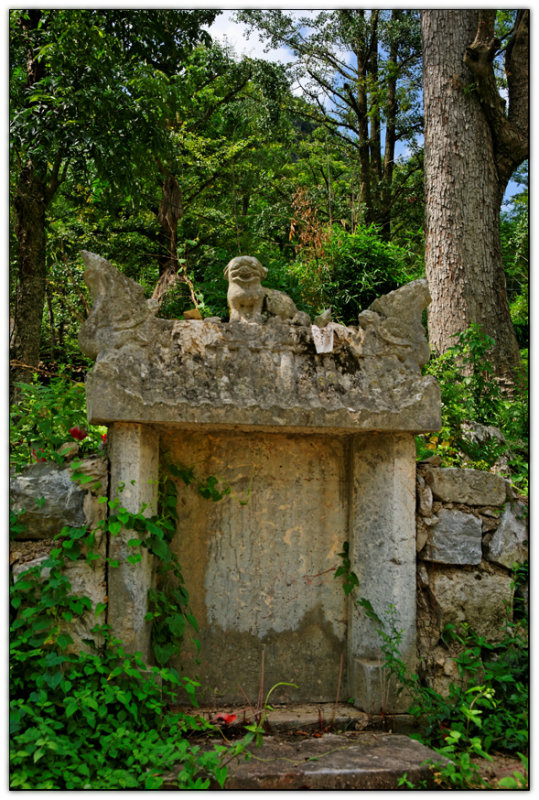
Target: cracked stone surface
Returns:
[244, 373]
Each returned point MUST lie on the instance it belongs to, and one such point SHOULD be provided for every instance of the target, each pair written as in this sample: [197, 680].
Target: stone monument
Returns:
[312, 428]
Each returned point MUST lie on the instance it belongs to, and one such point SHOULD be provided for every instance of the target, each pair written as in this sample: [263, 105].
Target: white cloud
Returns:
[227, 31]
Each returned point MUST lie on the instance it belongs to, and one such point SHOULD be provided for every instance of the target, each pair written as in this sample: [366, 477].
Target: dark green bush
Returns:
[471, 393]
[354, 270]
[43, 417]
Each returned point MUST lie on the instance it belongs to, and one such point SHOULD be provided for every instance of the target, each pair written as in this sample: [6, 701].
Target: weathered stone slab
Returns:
[424, 497]
[134, 453]
[509, 544]
[259, 565]
[455, 539]
[468, 486]
[478, 598]
[365, 761]
[263, 374]
[52, 500]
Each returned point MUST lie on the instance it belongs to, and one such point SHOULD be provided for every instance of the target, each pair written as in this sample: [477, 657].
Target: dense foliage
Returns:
[99, 718]
[482, 427]
[161, 151]
[134, 136]
[486, 711]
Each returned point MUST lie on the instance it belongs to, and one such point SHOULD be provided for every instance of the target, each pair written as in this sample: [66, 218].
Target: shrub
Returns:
[353, 271]
[99, 719]
[471, 393]
[46, 416]
[486, 712]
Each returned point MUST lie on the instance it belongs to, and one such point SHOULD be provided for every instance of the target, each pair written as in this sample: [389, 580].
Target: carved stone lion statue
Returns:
[245, 293]
[249, 301]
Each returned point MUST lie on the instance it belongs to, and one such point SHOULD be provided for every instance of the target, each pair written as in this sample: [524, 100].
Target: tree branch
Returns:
[510, 133]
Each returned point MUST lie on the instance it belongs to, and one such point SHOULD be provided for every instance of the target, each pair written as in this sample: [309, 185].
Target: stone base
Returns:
[372, 761]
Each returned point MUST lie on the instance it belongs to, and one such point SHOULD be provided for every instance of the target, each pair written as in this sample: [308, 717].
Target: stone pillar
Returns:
[134, 459]
[383, 555]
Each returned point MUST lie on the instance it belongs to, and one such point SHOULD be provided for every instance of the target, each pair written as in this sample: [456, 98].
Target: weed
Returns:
[476, 717]
[471, 393]
[45, 417]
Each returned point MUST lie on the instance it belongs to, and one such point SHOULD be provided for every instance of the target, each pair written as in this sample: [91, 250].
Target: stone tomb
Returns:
[311, 427]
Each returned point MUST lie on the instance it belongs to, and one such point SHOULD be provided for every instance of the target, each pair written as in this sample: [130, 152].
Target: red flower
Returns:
[78, 433]
[104, 438]
[226, 719]
[35, 456]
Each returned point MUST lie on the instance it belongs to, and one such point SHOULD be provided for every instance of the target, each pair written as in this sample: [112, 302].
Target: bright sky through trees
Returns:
[228, 31]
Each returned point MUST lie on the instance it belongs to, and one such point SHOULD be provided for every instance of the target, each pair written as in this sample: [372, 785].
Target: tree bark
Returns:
[390, 137]
[360, 105]
[463, 194]
[30, 203]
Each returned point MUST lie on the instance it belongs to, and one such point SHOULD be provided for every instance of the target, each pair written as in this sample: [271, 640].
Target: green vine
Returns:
[99, 719]
[344, 571]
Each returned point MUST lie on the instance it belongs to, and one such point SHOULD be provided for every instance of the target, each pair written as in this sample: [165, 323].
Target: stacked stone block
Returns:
[471, 530]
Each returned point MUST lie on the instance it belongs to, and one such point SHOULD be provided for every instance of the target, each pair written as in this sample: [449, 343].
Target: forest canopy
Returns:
[135, 136]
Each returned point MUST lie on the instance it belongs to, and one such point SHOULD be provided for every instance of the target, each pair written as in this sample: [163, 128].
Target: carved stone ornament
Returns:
[274, 371]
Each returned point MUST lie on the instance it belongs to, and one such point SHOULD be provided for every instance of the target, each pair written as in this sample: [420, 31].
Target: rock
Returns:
[477, 598]
[434, 461]
[52, 500]
[490, 525]
[424, 497]
[481, 434]
[68, 450]
[456, 539]
[362, 761]
[509, 544]
[301, 318]
[472, 487]
[421, 536]
[86, 581]
[323, 319]
[278, 304]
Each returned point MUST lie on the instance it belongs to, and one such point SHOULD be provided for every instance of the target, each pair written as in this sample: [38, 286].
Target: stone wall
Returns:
[471, 529]
[50, 500]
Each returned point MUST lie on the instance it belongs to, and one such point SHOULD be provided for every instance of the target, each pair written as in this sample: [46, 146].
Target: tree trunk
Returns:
[30, 203]
[463, 195]
[359, 103]
[390, 138]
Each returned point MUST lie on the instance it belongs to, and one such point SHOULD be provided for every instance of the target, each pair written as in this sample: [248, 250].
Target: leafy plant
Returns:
[349, 271]
[46, 416]
[488, 709]
[470, 393]
[99, 719]
[349, 577]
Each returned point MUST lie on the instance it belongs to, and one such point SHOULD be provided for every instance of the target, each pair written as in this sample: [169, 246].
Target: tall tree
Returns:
[75, 80]
[359, 71]
[473, 144]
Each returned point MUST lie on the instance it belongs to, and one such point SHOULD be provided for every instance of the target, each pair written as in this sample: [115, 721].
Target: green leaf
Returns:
[63, 640]
[176, 624]
[99, 608]
[161, 549]
[114, 527]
